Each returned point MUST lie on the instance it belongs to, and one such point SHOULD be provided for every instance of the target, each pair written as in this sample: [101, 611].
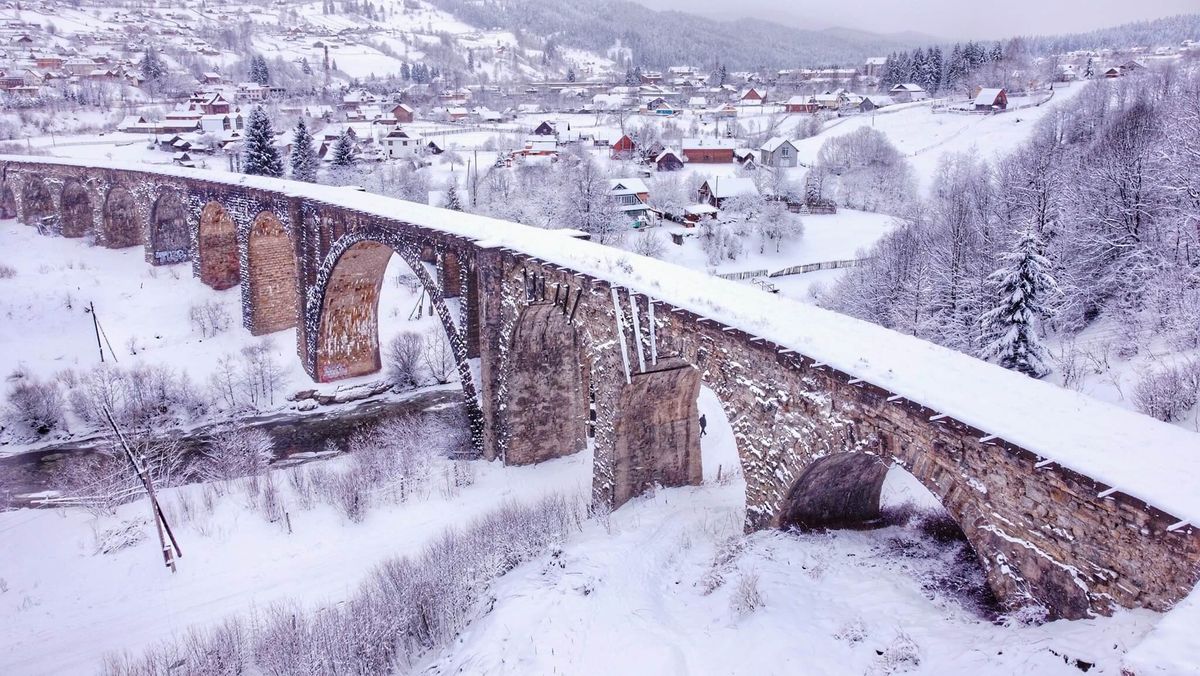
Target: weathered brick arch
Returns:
[217, 243]
[122, 226]
[36, 201]
[8, 202]
[342, 309]
[273, 301]
[168, 238]
[77, 214]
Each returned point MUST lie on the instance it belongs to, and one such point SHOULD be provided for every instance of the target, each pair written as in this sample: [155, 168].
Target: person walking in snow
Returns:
[703, 424]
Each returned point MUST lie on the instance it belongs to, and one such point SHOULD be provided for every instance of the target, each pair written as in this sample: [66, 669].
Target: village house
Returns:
[211, 78]
[546, 128]
[778, 152]
[403, 113]
[399, 144]
[213, 104]
[752, 97]
[873, 67]
[801, 104]
[872, 102]
[708, 150]
[251, 91]
[624, 148]
[991, 99]
[631, 196]
[668, 160]
[908, 92]
[723, 189]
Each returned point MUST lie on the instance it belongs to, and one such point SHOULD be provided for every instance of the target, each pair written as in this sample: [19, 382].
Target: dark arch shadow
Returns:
[8, 203]
[837, 491]
[36, 202]
[271, 262]
[78, 218]
[220, 267]
[168, 232]
[122, 227]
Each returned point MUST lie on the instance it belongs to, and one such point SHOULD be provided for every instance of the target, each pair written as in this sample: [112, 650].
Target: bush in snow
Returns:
[7, 272]
[438, 357]
[901, 655]
[209, 318]
[1168, 393]
[236, 452]
[648, 243]
[34, 405]
[405, 609]
[100, 482]
[746, 597]
[852, 631]
[143, 396]
[404, 356]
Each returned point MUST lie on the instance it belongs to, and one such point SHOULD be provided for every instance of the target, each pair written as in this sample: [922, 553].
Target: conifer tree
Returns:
[260, 156]
[259, 72]
[453, 201]
[304, 159]
[343, 151]
[1023, 284]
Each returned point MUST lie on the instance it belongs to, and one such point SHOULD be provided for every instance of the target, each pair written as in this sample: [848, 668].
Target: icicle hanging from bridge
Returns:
[637, 333]
[621, 334]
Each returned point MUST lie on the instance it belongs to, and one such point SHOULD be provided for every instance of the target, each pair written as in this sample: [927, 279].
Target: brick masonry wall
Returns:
[272, 274]
[77, 212]
[219, 263]
[122, 225]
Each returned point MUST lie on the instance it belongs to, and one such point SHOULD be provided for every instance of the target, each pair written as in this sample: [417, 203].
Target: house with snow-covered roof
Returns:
[722, 189]
[991, 98]
[778, 152]
[630, 195]
[708, 150]
[907, 92]
[401, 144]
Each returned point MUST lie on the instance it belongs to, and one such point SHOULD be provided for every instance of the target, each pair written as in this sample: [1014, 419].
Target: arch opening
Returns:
[656, 430]
[122, 227]
[271, 258]
[220, 267]
[77, 215]
[169, 240]
[860, 491]
[547, 412]
[357, 308]
[36, 202]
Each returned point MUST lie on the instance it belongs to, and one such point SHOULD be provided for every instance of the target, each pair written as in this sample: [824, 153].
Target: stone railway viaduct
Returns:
[550, 353]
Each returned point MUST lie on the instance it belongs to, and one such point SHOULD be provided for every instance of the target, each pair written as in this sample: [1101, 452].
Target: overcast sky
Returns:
[950, 19]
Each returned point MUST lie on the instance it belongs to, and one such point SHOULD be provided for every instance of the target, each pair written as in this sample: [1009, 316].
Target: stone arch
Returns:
[36, 202]
[220, 267]
[271, 262]
[122, 227]
[8, 203]
[78, 217]
[546, 414]
[346, 340]
[837, 491]
[169, 241]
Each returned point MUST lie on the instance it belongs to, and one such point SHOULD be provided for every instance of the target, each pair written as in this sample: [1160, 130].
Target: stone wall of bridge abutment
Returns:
[1042, 531]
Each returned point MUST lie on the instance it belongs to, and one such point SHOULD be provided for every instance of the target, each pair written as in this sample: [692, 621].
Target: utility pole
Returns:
[170, 551]
[96, 326]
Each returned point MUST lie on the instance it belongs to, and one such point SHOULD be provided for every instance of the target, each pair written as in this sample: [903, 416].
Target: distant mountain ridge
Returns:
[663, 38]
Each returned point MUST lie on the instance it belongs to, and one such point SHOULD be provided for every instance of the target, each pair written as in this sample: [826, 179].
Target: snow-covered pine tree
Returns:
[453, 202]
[304, 158]
[153, 67]
[343, 151]
[259, 72]
[1023, 284]
[260, 156]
